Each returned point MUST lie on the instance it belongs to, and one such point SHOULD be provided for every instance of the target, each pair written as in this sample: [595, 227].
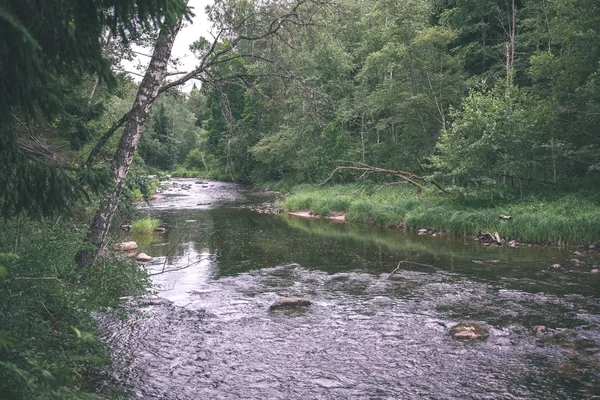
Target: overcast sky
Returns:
[181, 49]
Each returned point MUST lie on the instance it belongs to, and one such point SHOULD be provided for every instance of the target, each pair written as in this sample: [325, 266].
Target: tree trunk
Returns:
[147, 93]
[362, 138]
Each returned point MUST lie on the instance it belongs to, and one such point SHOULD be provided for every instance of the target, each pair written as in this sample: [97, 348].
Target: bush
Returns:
[47, 333]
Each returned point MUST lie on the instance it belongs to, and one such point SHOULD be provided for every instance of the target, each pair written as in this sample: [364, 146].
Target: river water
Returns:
[377, 329]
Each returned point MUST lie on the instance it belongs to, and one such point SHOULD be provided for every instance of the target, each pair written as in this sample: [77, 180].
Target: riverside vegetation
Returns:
[48, 343]
[557, 219]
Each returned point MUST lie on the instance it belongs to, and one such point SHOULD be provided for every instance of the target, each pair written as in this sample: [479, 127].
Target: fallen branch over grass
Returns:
[408, 177]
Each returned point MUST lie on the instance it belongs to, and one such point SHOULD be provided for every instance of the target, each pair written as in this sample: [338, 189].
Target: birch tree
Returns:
[255, 22]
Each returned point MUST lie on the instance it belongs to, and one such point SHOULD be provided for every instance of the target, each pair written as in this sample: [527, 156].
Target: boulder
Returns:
[290, 303]
[513, 243]
[555, 266]
[422, 231]
[539, 329]
[143, 257]
[578, 253]
[469, 331]
[160, 230]
[594, 271]
[126, 227]
[126, 246]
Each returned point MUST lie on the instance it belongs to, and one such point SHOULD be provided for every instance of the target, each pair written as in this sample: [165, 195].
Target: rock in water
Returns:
[143, 257]
[126, 246]
[160, 230]
[469, 331]
[290, 303]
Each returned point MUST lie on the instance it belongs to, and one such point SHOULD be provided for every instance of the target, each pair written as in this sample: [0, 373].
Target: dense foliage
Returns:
[48, 346]
[48, 52]
[484, 97]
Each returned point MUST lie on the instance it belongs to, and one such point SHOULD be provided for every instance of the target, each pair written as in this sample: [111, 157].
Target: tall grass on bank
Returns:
[145, 225]
[559, 219]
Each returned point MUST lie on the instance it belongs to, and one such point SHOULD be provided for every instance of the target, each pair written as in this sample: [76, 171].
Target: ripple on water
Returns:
[352, 343]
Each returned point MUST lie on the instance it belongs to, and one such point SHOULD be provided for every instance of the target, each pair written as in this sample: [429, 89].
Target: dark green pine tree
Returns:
[47, 47]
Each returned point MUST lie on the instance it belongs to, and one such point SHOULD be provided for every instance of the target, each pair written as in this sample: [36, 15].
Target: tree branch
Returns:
[408, 177]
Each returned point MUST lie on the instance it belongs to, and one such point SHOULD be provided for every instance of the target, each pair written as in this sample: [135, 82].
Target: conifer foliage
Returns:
[47, 47]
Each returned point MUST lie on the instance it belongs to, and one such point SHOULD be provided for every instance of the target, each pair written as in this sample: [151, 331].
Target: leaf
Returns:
[12, 20]
[84, 336]
[6, 341]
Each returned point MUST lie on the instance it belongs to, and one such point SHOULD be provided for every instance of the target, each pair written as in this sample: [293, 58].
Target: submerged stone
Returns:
[469, 331]
[290, 303]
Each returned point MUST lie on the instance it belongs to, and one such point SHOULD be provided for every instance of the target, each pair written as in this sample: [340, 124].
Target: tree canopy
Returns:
[47, 51]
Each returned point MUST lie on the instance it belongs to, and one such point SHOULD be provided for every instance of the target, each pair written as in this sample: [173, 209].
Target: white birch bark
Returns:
[134, 127]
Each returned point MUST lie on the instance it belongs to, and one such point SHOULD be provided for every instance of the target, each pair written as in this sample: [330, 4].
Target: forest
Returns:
[434, 113]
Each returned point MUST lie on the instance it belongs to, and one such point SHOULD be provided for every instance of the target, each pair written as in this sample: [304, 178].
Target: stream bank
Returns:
[569, 219]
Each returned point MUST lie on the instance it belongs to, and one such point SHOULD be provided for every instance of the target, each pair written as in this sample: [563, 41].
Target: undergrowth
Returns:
[48, 344]
[572, 218]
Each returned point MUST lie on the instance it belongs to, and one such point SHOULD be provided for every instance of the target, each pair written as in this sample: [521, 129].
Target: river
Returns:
[378, 328]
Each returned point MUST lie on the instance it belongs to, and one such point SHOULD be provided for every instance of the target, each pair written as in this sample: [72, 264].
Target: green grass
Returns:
[561, 219]
[145, 225]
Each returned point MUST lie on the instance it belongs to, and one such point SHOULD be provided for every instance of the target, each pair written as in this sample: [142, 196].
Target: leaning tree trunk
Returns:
[147, 93]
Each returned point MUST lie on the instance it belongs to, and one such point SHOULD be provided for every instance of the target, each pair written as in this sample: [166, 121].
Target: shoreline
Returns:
[565, 221]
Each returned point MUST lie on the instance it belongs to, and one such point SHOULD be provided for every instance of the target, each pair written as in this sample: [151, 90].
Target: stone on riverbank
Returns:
[143, 257]
[469, 331]
[290, 303]
[126, 246]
